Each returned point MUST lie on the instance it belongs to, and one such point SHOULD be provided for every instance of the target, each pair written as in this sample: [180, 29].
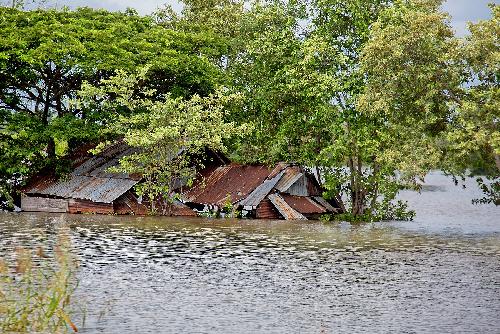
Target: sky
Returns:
[461, 11]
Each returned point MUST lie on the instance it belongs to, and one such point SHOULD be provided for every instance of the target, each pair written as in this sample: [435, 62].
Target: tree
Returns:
[45, 55]
[348, 94]
[170, 134]
[301, 85]
[412, 76]
[474, 132]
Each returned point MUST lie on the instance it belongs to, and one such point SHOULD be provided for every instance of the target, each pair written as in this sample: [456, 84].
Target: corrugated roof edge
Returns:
[259, 193]
[286, 210]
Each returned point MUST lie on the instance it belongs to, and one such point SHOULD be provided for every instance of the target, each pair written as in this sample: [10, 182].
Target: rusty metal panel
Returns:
[291, 175]
[260, 192]
[86, 206]
[323, 202]
[38, 184]
[98, 165]
[313, 187]
[284, 209]
[266, 210]
[280, 166]
[41, 204]
[234, 181]
[89, 165]
[206, 182]
[105, 190]
[304, 205]
[183, 210]
[90, 179]
[102, 170]
[64, 188]
[96, 189]
[129, 204]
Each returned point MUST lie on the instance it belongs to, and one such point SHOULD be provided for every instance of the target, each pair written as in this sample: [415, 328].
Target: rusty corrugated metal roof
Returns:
[291, 175]
[90, 179]
[266, 210]
[96, 189]
[233, 181]
[323, 202]
[260, 192]
[286, 210]
[302, 204]
[277, 169]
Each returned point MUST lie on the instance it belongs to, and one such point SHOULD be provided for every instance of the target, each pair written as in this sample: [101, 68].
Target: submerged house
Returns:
[257, 191]
[90, 188]
[283, 192]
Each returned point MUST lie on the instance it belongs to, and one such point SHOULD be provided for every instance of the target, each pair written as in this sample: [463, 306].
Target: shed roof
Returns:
[303, 204]
[285, 209]
[234, 181]
[89, 179]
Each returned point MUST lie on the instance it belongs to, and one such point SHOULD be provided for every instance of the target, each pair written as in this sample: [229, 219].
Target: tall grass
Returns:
[35, 290]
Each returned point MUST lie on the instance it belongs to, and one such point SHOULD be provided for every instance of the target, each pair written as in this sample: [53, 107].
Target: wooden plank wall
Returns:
[41, 204]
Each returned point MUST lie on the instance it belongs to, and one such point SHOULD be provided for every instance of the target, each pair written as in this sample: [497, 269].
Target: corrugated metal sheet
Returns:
[313, 187]
[284, 209]
[99, 164]
[266, 210]
[234, 181]
[90, 179]
[39, 183]
[96, 189]
[291, 175]
[299, 187]
[304, 205]
[86, 206]
[280, 166]
[325, 204]
[260, 192]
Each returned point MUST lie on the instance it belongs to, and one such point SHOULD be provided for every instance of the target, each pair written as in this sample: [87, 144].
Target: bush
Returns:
[35, 290]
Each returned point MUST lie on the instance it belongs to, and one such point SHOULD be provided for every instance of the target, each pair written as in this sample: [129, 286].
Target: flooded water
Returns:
[438, 274]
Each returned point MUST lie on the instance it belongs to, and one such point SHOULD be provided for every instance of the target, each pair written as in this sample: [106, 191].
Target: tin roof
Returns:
[90, 179]
[291, 175]
[286, 210]
[323, 202]
[261, 191]
[233, 181]
[304, 205]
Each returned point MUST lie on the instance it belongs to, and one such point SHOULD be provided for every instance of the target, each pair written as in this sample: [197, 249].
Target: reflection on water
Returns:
[162, 275]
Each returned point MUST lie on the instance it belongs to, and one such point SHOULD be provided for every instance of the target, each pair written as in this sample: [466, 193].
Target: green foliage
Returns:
[373, 93]
[473, 137]
[36, 296]
[46, 55]
[170, 134]
[302, 87]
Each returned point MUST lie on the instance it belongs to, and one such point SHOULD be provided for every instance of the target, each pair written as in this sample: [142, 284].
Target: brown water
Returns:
[438, 274]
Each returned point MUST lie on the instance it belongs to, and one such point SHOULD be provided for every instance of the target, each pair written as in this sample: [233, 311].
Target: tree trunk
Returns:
[51, 145]
[51, 148]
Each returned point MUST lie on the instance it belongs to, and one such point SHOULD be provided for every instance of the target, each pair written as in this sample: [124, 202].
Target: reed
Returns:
[36, 289]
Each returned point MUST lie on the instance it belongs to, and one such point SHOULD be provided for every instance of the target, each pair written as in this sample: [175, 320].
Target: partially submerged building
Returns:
[90, 187]
[256, 191]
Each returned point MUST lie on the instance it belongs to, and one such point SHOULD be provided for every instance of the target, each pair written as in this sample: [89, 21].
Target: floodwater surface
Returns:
[438, 274]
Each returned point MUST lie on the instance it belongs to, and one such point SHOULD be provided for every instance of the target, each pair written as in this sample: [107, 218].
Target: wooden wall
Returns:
[42, 204]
